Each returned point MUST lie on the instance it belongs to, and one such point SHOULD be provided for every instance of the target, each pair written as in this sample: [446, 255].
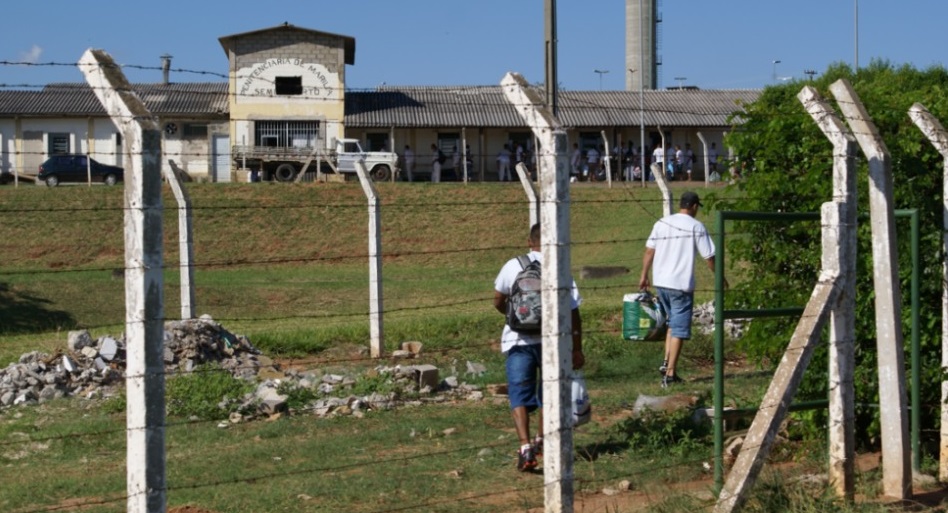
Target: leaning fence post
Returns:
[658, 171]
[704, 153]
[557, 332]
[935, 132]
[531, 193]
[185, 240]
[839, 253]
[375, 261]
[145, 379]
[896, 465]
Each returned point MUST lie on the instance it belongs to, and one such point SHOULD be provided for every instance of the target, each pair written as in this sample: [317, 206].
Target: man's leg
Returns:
[673, 347]
[522, 424]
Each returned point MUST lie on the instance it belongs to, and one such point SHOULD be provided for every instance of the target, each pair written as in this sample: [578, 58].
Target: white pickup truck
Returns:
[284, 164]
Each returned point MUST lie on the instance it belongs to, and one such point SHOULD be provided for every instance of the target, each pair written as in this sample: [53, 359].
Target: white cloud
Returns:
[32, 55]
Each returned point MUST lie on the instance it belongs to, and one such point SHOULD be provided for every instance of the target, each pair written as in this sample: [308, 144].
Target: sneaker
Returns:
[526, 459]
[671, 380]
[538, 447]
[663, 367]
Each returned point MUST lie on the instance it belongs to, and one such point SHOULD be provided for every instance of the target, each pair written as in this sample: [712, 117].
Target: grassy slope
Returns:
[280, 258]
[286, 265]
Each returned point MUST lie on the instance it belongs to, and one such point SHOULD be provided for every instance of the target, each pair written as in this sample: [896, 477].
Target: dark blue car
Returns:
[76, 168]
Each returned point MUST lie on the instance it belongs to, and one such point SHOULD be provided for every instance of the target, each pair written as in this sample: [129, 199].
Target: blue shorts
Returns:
[679, 307]
[523, 372]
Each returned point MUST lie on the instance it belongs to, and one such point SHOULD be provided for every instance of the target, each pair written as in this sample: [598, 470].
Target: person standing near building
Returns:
[713, 162]
[670, 253]
[575, 161]
[436, 161]
[524, 356]
[503, 164]
[689, 160]
[592, 163]
[658, 157]
[409, 157]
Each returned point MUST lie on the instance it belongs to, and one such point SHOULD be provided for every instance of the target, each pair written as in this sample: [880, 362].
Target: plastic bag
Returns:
[582, 409]
[643, 317]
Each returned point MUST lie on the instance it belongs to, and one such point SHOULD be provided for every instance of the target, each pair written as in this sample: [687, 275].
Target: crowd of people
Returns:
[587, 164]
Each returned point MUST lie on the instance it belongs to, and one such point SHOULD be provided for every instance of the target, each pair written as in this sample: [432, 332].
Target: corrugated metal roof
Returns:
[412, 107]
[486, 106]
[78, 99]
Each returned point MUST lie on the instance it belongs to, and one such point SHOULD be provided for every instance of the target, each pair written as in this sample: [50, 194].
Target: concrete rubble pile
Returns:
[703, 320]
[96, 367]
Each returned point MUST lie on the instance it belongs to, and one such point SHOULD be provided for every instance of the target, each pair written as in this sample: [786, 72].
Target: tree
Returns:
[787, 166]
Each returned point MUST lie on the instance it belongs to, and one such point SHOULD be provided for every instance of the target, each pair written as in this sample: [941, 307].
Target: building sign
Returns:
[258, 83]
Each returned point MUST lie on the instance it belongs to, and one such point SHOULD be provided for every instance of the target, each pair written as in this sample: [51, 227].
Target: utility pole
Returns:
[549, 7]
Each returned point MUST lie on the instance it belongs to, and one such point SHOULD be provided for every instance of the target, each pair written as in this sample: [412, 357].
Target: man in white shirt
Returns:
[672, 246]
[524, 358]
[592, 161]
[503, 165]
[658, 157]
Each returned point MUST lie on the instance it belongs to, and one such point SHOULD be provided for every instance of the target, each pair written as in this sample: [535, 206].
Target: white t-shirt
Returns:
[503, 283]
[658, 154]
[677, 239]
[592, 156]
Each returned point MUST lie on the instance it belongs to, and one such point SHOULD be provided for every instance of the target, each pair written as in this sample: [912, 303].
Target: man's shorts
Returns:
[523, 372]
[679, 306]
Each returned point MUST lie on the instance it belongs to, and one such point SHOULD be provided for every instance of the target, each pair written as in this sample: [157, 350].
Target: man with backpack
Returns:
[516, 296]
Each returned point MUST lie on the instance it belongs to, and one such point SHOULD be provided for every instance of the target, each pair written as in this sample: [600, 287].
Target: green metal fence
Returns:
[720, 315]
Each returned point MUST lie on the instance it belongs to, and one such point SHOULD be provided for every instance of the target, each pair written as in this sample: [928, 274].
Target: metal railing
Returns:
[720, 315]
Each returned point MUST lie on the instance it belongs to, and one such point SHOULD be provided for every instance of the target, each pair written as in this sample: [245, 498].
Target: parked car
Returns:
[76, 168]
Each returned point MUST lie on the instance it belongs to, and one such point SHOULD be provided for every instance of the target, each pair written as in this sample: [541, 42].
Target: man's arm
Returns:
[500, 302]
[710, 262]
[647, 259]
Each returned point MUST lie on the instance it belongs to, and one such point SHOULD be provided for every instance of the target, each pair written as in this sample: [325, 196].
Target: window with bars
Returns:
[58, 144]
[286, 134]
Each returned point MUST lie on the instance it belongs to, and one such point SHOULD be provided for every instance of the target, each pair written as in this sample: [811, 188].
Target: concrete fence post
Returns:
[936, 134]
[661, 178]
[896, 463]
[607, 157]
[839, 254]
[376, 332]
[185, 240]
[704, 153]
[524, 174]
[144, 298]
[557, 281]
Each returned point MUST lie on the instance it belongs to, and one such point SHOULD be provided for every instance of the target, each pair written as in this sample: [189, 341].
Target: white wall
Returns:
[7, 148]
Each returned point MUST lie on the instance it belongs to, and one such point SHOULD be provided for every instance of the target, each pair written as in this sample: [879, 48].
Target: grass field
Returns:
[286, 265]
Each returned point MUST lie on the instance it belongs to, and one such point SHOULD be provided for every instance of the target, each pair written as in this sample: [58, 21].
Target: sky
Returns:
[729, 44]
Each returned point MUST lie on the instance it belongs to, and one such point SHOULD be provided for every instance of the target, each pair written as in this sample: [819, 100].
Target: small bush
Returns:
[674, 432]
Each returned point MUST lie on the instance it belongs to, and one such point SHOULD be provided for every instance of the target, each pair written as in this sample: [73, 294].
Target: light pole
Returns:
[681, 81]
[642, 76]
[601, 73]
[776, 62]
[809, 73]
[856, 23]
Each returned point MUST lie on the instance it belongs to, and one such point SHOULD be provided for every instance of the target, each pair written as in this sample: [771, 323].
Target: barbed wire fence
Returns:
[111, 217]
